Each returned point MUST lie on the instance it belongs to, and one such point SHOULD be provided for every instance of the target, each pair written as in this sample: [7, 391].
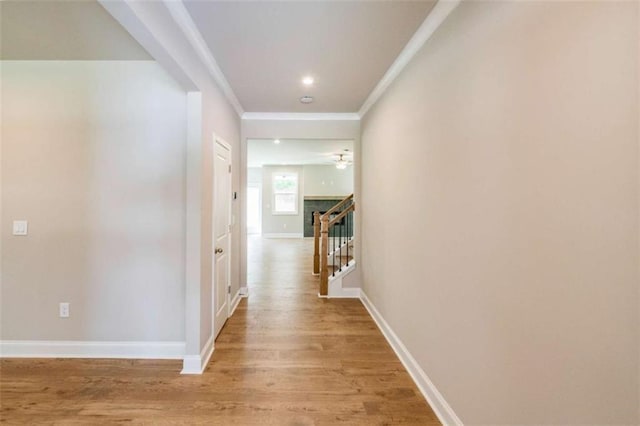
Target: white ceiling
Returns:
[262, 152]
[64, 30]
[264, 48]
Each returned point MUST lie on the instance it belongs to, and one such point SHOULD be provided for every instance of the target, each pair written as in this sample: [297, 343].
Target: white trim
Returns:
[127, 15]
[317, 116]
[196, 364]
[90, 349]
[191, 364]
[181, 16]
[244, 291]
[291, 235]
[214, 210]
[336, 290]
[443, 410]
[434, 19]
[235, 302]
[275, 193]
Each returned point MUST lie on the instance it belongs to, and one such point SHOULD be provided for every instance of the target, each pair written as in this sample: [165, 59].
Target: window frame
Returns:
[295, 193]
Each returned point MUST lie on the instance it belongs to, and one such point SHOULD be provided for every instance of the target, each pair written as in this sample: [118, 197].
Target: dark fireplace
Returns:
[322, 206]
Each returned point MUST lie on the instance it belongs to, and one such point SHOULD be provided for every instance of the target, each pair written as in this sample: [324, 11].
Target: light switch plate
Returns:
[20, 227]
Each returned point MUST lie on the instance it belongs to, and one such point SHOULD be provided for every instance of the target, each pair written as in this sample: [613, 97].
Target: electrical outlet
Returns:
[64, 310]
[20, 227]
[284, 225]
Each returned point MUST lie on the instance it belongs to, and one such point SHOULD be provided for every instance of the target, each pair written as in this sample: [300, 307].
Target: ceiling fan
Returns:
[341, 163]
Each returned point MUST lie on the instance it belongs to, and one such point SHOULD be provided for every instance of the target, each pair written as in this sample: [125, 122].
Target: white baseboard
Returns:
[90, 349]
[244, 291]
[443, 410]
[235, 301]
[195, 364]
[291, 235]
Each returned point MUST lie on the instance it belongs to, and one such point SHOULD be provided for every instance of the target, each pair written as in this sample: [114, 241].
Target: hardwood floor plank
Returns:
[286, 357]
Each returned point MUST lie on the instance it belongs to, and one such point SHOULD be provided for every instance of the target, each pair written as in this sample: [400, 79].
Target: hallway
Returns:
[326, 360]
[284, 358]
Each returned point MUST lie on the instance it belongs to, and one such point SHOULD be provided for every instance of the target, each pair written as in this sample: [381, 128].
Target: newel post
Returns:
[316, 243]
[324, 253]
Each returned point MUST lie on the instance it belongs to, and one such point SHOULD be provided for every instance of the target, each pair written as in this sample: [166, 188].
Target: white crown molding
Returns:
[181, 16]
[317, 116]
[440, 406]
[434, 19]
[90, 349]
[184, 21]
[127, 15]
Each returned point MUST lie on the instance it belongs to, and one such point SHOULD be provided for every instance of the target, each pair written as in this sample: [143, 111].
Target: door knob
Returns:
[218, 250]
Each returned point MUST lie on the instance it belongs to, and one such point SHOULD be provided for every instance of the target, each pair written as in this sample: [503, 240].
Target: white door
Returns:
[221, 233]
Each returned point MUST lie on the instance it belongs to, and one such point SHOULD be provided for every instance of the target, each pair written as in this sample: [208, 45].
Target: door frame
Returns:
[218, 140]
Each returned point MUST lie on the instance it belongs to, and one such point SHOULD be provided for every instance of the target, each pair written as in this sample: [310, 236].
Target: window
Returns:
[285, 193]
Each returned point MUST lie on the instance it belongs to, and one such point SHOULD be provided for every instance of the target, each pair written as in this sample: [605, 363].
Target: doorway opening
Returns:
[287, 181]
[254, 208]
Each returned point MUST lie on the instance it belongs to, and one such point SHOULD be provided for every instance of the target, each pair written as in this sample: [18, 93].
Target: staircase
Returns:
[333, 249]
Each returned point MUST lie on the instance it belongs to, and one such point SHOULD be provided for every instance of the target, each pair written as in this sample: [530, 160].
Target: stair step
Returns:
[335, 268]
[340, 260]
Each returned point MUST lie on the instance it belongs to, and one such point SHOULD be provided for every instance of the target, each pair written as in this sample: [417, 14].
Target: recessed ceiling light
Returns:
[276, 141]
[307, 81]
[306, 99]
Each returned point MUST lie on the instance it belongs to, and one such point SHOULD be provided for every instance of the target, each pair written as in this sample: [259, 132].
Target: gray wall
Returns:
[512, 276]
[313, 180]
[321, 180]
[209, 112]
[93, 156]
[254, 175]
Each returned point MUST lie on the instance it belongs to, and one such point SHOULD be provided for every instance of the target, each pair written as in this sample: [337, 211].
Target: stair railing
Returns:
[317, 217]
[333, 234]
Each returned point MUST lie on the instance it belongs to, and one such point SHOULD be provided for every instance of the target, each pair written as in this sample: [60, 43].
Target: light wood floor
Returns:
[284, 358]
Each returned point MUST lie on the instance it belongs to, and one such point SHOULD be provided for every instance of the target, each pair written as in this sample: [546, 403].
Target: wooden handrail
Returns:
[338, 206]
[321, 226]
[317, 218]
[339, 217]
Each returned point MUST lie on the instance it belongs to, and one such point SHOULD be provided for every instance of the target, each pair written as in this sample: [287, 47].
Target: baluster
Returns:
[324, 258]
[340, 244]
